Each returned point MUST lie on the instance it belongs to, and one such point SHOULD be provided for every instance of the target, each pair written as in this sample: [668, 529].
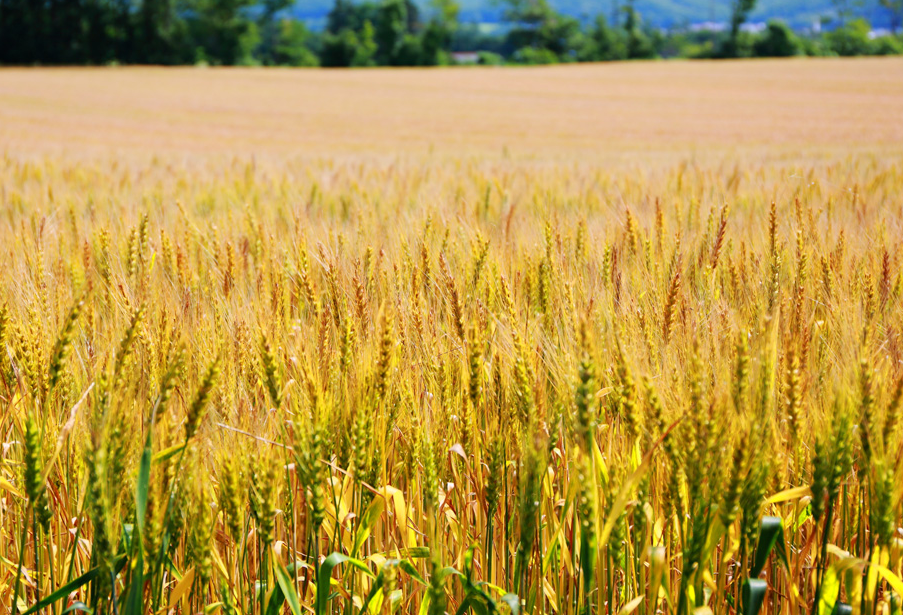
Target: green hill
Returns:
[660, 13]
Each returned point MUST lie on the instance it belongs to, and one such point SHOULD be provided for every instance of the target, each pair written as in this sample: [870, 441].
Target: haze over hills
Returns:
[799, 14]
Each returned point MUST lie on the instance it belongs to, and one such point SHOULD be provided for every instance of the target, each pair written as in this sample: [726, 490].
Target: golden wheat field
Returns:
[614, 112]
[575, 340]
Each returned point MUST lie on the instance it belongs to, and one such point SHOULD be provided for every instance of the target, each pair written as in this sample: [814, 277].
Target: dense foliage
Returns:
[388, 33]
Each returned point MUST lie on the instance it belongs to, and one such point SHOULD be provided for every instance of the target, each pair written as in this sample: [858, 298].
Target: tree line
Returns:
[390, 33]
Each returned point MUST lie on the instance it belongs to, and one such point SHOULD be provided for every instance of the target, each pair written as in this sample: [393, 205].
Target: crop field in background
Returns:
[599, 339]
[612, 110]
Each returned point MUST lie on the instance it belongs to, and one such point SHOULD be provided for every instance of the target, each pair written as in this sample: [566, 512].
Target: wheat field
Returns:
[600, 339]
[614, 112]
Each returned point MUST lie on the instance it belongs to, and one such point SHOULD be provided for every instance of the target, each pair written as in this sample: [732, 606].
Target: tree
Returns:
[409, 52]
[291, 45]
[21, 26]
[391, 26]
[740, 10]
[538, 26]
[269, 25]
[161, 32]
[348, 49]
[638, 45]
[347, 14]
[339, 49]
[366, 51]
[222, 31]
[413, 16]
[341, 17]
[119, 30]
[433, 44]
[604, 43]
[528, 17]
[447, 12]
[778, 41]
[65, 31]
[100, 20]
[63, 40]
[852, 39]
[886, 46]
[437, 36]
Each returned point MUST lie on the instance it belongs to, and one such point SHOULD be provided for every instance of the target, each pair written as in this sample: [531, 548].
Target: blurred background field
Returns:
[610, 112]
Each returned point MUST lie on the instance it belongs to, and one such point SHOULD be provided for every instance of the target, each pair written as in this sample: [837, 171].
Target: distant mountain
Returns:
[799, 14]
